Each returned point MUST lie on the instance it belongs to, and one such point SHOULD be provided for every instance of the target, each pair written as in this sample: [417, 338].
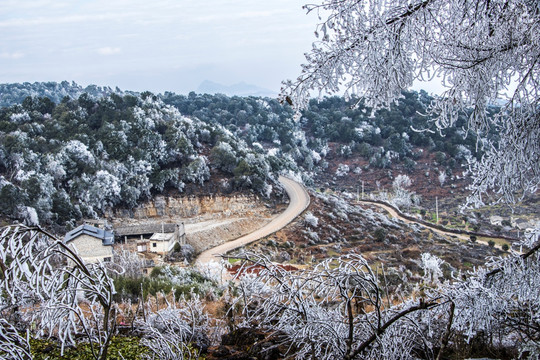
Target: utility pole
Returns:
[437, 208]
[362, 189]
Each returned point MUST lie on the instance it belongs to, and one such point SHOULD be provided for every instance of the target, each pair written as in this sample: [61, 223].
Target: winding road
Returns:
[395, 214]
[298, 202]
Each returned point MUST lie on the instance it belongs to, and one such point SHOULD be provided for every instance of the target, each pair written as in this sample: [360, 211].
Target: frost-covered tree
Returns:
[224, 157]
[105, 190]
[431, 265]
[497, 304]
[47, 290]
[168, 332]
[131, 263]
[311, 220]
[75, 157]
[442, 177]
[401, 182]
[342, 170]
[342, 309]
[338, 310]
[402, 196]
[197, 171]
[481, 51]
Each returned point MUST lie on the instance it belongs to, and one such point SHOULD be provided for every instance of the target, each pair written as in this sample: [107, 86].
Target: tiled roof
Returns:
[105, 236]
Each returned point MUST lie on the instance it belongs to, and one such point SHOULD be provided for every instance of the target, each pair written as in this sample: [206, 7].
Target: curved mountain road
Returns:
[298, 202]
[395, 214]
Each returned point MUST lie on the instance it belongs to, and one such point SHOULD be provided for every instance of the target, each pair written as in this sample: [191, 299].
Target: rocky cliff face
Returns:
[205, 207]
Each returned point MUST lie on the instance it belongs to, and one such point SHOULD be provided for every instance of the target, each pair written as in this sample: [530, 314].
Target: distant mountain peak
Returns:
[240, 89]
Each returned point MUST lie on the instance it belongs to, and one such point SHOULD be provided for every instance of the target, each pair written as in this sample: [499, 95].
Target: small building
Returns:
[161, 243]
[164, 242]
[152, 236]
[91, 243]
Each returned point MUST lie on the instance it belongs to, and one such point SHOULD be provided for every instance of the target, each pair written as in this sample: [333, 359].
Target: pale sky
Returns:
[154, 45]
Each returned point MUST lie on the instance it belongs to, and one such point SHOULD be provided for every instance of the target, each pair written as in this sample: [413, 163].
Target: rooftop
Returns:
[105, 236]
[162, 236]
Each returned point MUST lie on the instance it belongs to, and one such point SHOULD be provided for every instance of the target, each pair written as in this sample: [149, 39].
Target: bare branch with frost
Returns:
[48, 285]
[169, 331]
[482, 51]
[12, 344]
[338, 310]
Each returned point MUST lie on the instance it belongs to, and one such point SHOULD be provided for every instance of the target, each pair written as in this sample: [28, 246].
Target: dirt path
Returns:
[395, 214]
[298, 202]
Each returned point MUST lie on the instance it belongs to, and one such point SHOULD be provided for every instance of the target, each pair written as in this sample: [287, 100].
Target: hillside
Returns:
[62, 162]
[343, 267]
[62, 145]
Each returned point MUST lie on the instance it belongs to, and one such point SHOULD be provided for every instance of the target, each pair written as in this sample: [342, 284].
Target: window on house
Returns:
[154, 244]
[107, 259]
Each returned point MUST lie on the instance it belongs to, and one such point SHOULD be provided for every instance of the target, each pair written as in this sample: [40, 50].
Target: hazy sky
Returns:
[154, 45]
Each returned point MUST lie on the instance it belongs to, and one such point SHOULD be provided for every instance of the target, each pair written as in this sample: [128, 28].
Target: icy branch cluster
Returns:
[47, 285]
[168, 332]
[341, 309]
[481, 51]
[335, 311]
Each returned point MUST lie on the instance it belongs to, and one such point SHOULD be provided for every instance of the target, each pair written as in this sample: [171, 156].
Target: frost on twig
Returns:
[47, 285]
[169, 331]
[485, 54]
[336, 310]
[12, 344]
[501, 301]
[341, 309]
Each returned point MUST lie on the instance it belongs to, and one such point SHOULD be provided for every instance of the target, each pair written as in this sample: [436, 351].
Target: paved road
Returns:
[298, 202]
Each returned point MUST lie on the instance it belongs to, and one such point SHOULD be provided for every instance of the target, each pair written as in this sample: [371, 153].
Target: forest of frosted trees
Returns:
[61, 161]
[120, 149]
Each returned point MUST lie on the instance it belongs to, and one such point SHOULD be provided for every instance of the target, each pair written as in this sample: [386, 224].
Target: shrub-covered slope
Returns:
[69, 152]
[61, 162]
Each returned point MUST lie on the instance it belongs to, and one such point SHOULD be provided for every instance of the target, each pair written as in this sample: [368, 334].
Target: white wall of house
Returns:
[162, 243]
[158, 246]
[90, 249]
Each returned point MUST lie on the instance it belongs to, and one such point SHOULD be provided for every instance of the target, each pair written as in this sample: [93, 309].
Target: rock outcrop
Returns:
[189, 207]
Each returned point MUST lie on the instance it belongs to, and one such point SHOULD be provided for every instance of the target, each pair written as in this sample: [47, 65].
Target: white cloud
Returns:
[12, 55]
[231, 16]
[109, 50]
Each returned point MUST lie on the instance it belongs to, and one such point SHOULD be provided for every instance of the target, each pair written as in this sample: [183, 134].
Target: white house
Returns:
[163, 242]
[91, 243]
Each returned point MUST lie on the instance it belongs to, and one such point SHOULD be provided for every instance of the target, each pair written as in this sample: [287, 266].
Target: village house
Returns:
[163, 243]
[95, 244]
[157, 238]
[91, 243]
